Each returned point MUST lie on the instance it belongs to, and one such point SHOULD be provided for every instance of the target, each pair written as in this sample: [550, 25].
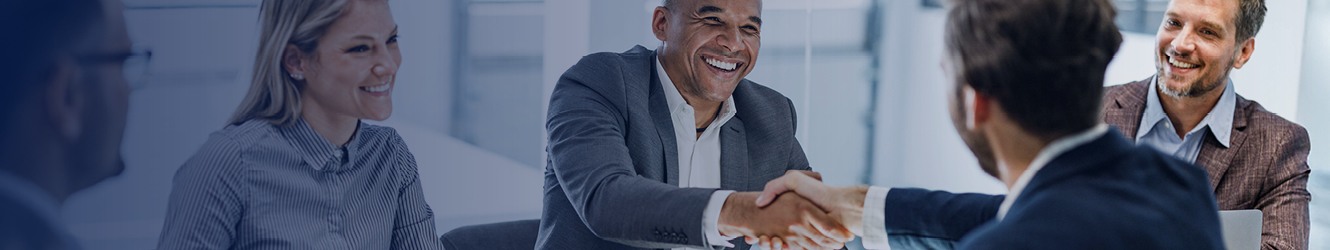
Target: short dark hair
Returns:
[1042, 60]
[40, 30]
[1250, 17]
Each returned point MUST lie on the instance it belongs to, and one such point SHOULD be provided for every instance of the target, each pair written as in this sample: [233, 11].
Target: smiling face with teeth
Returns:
[350, 74]
[1198, 47]
[709, 45]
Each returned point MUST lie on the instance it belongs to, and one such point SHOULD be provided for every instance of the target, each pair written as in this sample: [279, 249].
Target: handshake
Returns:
[795, 211]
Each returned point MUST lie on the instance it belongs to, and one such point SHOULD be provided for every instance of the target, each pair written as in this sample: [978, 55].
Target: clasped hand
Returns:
[795, 211]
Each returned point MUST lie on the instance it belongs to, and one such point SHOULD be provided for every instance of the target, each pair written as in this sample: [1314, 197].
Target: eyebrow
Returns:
[367, 37]
[1206, 23]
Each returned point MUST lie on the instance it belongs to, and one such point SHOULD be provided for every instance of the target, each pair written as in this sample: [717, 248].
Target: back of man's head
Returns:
[1042, 60]
[37, 33]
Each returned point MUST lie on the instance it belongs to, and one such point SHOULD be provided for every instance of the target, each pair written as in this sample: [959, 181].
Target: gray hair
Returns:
[273, 95]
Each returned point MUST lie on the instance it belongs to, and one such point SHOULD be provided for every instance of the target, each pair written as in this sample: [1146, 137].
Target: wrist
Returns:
[734, 212]
[853, 215]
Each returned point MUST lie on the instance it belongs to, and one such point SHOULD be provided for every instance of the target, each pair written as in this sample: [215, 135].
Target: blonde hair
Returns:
[273, 95]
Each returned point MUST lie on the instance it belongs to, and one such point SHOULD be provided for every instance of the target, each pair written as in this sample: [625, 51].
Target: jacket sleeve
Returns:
[1284, 203]
[591, 162]
[922, 218]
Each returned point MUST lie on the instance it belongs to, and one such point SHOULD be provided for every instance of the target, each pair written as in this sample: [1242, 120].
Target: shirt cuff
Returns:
[875, 214]
[711, 218]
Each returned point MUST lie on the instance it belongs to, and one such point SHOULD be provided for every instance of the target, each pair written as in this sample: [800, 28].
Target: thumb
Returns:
[775, 188]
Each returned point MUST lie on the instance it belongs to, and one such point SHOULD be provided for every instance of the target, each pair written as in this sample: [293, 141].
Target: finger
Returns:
[775, 188]
[777, 243]
[815, 175]
[764, 242]
[816, 240]
[797, 242]
[827, 225]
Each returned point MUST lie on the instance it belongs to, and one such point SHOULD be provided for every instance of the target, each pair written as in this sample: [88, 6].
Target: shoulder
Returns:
[224, 151]
[386, 141]
[24, 228]
[382, 137]
[751, 97]
[608, 67]
[1112, 93]
[1274, 129]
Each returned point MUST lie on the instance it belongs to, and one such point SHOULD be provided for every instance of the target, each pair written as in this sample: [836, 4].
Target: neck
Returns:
[337, 129]
[1187, 112]
[706, 110]
[1015, 149]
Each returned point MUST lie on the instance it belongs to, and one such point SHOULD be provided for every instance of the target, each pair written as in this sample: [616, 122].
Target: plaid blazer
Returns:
[1264, 167]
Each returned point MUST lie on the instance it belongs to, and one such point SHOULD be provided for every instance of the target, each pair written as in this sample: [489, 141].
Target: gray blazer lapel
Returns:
[734, 171]
[660, 114]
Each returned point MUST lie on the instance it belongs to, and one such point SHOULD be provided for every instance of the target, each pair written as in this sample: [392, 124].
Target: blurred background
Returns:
[472, 92]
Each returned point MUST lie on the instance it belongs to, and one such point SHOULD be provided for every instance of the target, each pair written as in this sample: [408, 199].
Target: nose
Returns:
[1184, 43]
[386, 65]
[730, 41]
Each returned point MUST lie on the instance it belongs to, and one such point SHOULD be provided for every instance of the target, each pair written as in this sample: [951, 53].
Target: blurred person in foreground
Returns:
[64, 107]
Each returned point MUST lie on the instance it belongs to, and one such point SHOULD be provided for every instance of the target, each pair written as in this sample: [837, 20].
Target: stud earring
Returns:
[298, 77]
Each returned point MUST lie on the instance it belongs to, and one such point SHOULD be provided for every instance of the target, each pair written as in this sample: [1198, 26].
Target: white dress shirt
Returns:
[875, 231]
[699, 156]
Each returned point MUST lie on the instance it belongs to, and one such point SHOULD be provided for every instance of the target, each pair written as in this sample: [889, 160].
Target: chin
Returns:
[379, 112]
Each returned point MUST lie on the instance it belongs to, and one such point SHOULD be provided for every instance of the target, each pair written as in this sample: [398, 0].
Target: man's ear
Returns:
[660, 22]
[977, 107]
[293, 61]
[1244, 52]
[65, 95]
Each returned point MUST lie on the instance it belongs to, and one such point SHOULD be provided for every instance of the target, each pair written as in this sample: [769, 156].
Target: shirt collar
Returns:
[1053, 150]
[316, 150]
[676, 102]
[1219, 121]
[30, 195]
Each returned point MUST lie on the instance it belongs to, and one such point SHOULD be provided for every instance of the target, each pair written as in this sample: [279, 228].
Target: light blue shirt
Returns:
[41, 224]
[261, 186]
[1156, 129]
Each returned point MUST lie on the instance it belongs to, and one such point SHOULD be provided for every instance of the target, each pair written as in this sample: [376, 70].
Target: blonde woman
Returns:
[295, 168]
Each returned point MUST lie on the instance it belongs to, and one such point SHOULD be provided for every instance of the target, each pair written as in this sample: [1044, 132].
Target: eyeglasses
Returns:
[134, 65]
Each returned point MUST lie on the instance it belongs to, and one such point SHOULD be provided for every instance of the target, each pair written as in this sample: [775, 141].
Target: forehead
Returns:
[363, 17]
[739, 7]
[1222, 12]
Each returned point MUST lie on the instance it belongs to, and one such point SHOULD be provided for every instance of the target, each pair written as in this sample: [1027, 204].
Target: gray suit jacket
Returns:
[611, 180]
[1264, 167]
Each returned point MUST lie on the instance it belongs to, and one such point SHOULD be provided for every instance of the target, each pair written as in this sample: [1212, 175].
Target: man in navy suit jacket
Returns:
[1028, 83]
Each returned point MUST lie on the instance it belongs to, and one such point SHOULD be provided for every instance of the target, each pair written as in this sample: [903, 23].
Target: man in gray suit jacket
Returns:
[648, 148]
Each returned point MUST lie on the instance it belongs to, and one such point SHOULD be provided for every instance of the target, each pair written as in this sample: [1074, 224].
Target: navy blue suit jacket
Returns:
[611, 181]
[1106, 194]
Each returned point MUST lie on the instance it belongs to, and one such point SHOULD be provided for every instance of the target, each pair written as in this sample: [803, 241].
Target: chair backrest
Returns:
[511, 235]
[1242, 229]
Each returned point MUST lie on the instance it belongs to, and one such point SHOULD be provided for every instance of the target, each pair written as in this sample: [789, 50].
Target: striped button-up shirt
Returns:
[261, 186]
